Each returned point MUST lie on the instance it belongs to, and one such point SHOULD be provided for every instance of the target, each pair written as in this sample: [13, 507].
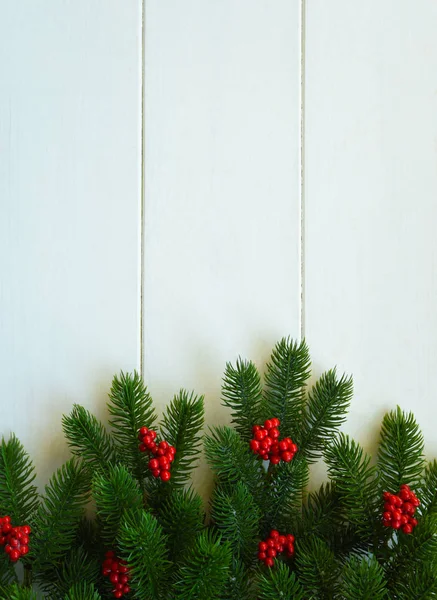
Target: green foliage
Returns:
[349, 467]
[236, 516]
[283, 494]
[327, 405]
[14, 592]
[142, 544]
[421, 584]
[242, 393]
[205, 571]
[231, 460]
[181, 428]
[130, 408]
[7, 571]
[78, 565]
[114, 492]
[428, 490]
[18, 497]
[400, 456]
[239, 585]
[280, 583]
[287, 372]
[58, 516]
[182, 519]
[317, 568]
[88, 439]
[82, 591]
[364, 579]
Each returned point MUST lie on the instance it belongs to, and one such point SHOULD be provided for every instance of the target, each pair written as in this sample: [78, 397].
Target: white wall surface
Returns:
[69, 211]
[222, 205]
[371, 204]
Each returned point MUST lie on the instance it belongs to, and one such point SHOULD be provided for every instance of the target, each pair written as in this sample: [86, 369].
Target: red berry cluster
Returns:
[164, 453]
[266, 443]
[275, 544]
[14, 539]
[399, 509]
[118, 574]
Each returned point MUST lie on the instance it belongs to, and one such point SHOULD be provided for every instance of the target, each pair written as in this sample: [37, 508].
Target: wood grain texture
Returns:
[222, 189]
[371, 204]
[69, 200]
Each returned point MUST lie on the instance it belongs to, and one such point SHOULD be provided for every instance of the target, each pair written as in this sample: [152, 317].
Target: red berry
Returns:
[143, 431]
[275, 422]
[153, 463]
[163, 462]
[271, 552]
[269, 562]
[24, 549]
[126, 589]
[407, 529]
[142, 447]
[275, 459]
[396, 524]
[262, 546]
[268, 424]
[14, 555]
[156, 472]
[287, 456]
[165, 475]
[274, 433]
[152, 435]
[254, 445]
[413, 522]
[274, 534]
[118, 594]
[262, 555]
[260, 434]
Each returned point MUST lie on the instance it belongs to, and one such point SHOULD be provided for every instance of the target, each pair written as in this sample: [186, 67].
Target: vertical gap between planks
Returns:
[302, 169]
[142, 188]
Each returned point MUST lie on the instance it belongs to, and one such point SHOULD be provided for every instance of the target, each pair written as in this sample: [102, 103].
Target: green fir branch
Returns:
[181, 427]
[364, 579]
[242, 393]
[349, 467]
[14, 592]
[281, 583]
[284, 492]
[130, 408]
[142, 545]
[18, 497]
[182, 518]
[427, 491]
[237, 517]
[82, 591]
[239, 584]
[284, 394]
[232, 461]
[114, 492]
[400, 456]
[317, 568]
[78, 565]
[7, 571]
[419, 584]
[58, 516]
[326, 409]
[88, 439]
[205, 571]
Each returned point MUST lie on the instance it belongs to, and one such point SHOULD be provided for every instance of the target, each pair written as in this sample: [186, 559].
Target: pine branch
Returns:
[18, 497]
[88, 439]
[205, 571]
[280, 583]
[420, 584]
[7, 571]
[317, 568]
[142, 544]
[364, 579]
[400, 456]
[82, 591]
[114, 492]
[58, 516]
[78, 565]
[286, 375]
[231, 460]
[181, 428]
[14, 592]
[327, 405]
[283, 495]
[237, 516]
[349, 467]
[242, 393]
[239, 585]
[130, 407]
[182, 519]
[427, 491]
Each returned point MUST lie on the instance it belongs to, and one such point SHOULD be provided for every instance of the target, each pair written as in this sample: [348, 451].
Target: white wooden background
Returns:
[272, 205]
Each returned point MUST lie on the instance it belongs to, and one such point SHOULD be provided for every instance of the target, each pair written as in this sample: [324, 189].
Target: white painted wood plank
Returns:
[371, 203]
[69, 202]
[222, 188]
